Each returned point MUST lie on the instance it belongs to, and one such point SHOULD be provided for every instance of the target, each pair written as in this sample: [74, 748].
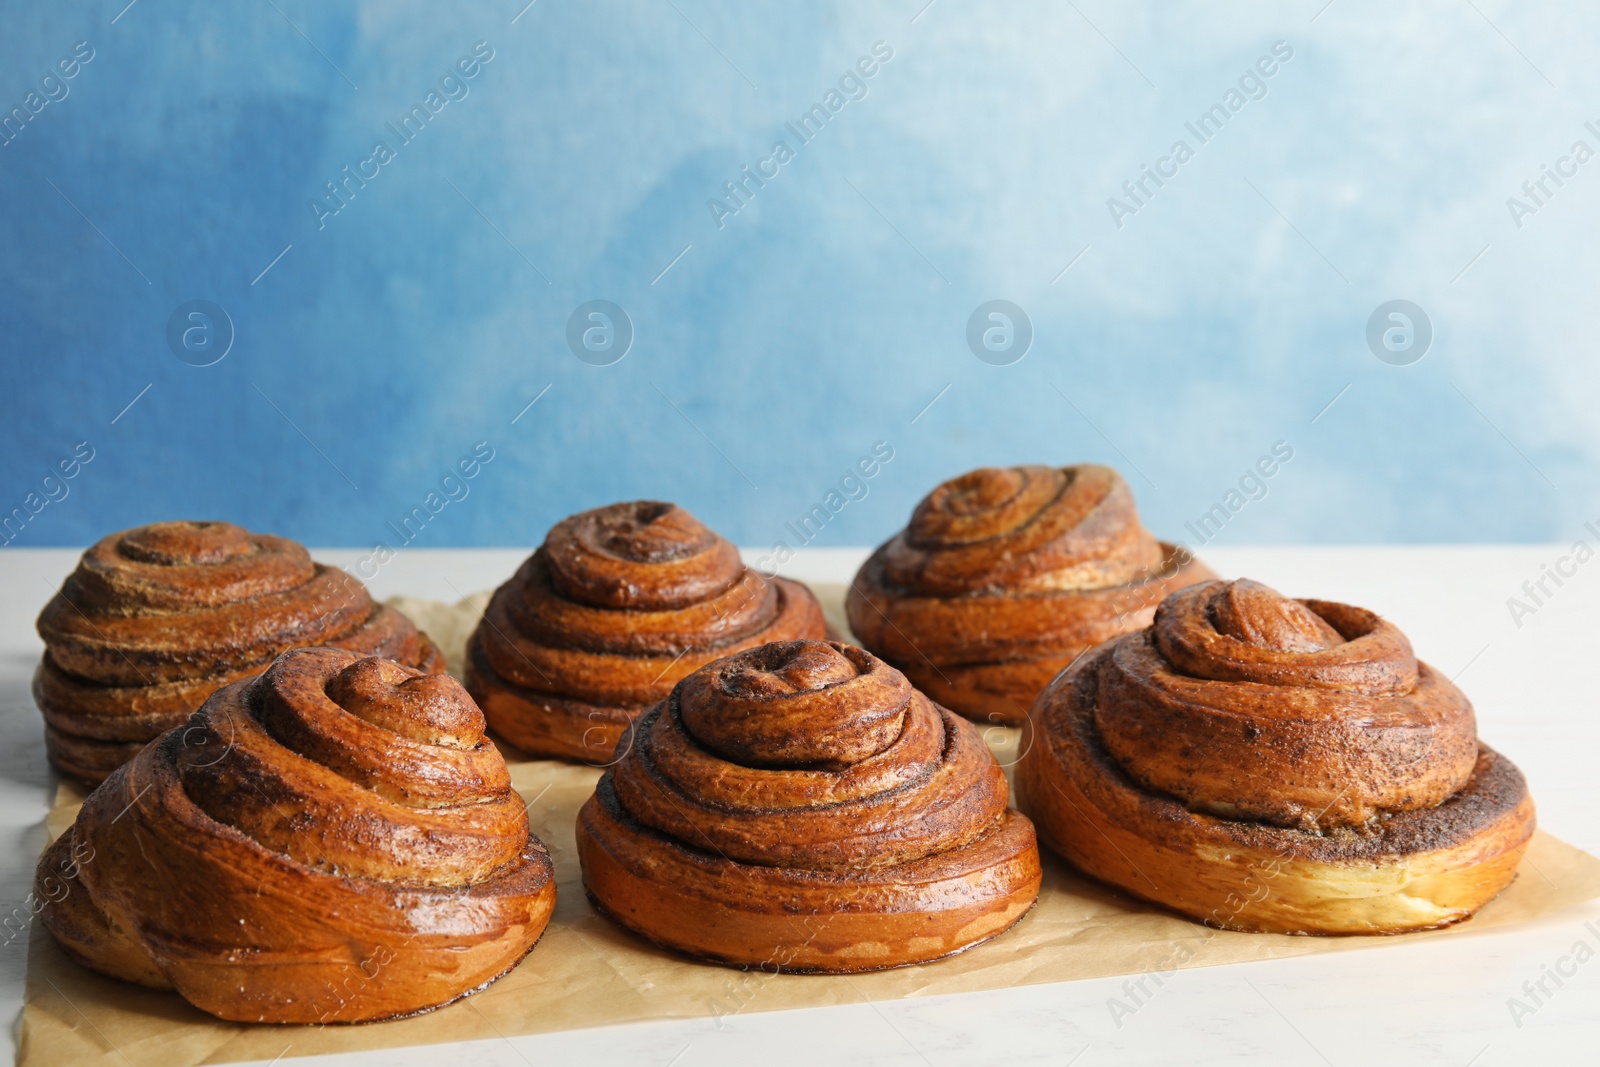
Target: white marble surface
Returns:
[1441, 1002]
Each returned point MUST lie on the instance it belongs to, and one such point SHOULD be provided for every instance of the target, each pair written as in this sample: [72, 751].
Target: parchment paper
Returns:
[586, 972]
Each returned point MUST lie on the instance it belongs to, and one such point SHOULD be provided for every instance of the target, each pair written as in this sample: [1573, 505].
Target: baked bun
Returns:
[613, 609]
[156, 619]
[334, 841]
[1268, 764]
[1005, 576]
[800, 807]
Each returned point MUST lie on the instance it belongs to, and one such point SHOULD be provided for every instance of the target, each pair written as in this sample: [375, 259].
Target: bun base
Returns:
[555, 726]
[544, 725]
[804, 921]
[90, 730]
[994, 694]
[986, 655]
[84, 758]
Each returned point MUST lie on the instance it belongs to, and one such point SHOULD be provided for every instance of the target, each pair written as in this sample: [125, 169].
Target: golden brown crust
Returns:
[1250, 705]
[604, 618]
[1303, 775]
[1004, 577]
[335, 841]
[799, 806]
[156, 619]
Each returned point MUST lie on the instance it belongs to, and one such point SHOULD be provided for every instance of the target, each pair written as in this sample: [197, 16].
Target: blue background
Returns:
[826, 315]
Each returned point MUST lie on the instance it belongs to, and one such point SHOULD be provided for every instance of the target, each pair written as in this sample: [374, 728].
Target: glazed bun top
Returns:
[622, 601]
[1308, 713]
[357, 766]
[643, 554]
[1023, 529]
[812, 755]
[176, 601]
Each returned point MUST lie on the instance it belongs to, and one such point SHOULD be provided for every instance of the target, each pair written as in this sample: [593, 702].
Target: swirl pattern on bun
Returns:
[800, 807]
[1005, 576]
[603, 619]
[157, 618]
[1262, 763]
[333, 841]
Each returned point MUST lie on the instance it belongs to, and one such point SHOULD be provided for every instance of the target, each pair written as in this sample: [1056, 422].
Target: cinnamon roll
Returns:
[1005, 576]
[156, 619]
[1267, 764]
[333, 841]
[608, 614]
[800, 807]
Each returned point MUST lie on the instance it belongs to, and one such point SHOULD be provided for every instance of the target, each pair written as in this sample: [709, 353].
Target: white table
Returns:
[1441, 1002]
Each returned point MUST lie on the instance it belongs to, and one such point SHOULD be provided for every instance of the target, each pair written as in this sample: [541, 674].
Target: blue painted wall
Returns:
[1178, 332]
